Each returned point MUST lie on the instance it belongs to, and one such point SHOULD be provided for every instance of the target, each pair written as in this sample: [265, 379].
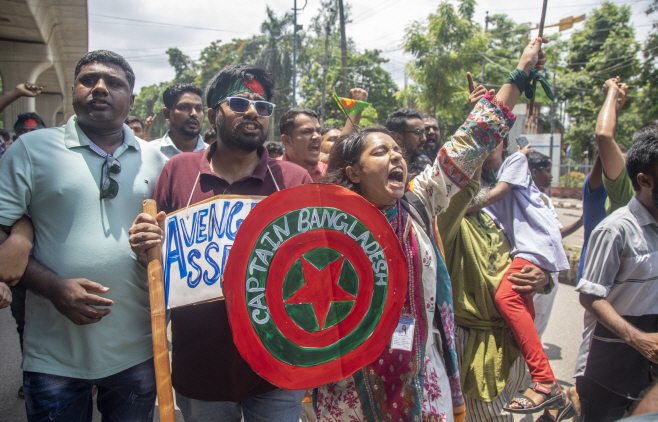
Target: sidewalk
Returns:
[567, 203]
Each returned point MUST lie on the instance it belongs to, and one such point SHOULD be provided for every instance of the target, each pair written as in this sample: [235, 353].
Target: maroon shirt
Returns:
[206, 365]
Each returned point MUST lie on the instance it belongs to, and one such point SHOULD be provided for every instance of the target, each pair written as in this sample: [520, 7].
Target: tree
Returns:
[149, 103]
[363, 71]
[445, 48]
[506, 41]
[275, 53]
[183, 65]
[217, 56]
[604, 48]
[649, 104]
[343, 46]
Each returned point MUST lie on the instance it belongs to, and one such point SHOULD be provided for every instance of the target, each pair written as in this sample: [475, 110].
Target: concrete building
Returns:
[41, 41]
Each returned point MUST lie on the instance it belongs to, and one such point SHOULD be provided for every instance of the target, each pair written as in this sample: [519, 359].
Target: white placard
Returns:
[197, 243]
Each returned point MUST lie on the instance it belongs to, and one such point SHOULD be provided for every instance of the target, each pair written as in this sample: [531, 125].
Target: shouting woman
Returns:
[423, 383]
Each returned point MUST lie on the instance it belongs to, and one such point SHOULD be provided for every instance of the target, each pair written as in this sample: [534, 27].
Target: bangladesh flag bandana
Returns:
[237, 86]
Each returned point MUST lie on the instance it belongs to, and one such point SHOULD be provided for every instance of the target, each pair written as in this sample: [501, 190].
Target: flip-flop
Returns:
[553, 399]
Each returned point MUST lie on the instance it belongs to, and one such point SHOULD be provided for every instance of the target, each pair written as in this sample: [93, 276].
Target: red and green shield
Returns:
[314, 285]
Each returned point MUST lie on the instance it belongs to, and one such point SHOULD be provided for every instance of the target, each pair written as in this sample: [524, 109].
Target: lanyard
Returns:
[98, 149]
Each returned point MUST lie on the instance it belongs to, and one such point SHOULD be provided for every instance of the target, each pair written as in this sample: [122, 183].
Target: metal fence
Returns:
[572, 174]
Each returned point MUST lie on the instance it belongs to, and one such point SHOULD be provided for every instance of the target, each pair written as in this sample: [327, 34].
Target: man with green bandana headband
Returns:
[212, 381]
[27, 122]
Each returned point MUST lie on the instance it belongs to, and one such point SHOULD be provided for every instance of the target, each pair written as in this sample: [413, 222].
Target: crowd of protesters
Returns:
[480, 235]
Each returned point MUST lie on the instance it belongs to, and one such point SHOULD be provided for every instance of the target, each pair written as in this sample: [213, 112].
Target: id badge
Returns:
[403, 336]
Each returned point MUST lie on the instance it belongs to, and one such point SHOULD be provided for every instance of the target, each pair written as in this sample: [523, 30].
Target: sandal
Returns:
[570, 410]
[553, 399]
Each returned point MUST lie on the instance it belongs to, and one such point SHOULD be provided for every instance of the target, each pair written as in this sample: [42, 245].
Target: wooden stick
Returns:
[541, 34]
[159, 327]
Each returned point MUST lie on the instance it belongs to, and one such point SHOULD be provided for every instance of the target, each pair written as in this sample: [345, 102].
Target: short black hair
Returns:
[537, 161]
[649, 126]
[208, 135]
[5, 135]
[327, 129]
[345, 152]
[106, 56]
[240, 70]
[287, 121]
[274, 147]
[30, 115]
[397, 121]
[430, 116]
[643, 156]
[133, 119]
[171, 95]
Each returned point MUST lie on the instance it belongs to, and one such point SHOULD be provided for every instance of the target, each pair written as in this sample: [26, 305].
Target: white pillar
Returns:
[21, 62]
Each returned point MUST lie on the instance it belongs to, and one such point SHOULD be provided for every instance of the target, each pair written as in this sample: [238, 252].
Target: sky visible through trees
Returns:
[441, 47]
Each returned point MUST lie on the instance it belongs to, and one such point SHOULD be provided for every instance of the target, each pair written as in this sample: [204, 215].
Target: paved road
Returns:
[561, 341]
[562, 338]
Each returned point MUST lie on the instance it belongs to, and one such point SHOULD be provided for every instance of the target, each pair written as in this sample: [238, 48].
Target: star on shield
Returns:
[321, 288]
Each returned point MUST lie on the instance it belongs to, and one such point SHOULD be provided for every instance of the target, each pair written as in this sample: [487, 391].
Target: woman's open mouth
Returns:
[396, 177]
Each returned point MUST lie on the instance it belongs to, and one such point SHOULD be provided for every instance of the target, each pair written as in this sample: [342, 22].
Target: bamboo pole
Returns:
[159, 327]
[541, 34]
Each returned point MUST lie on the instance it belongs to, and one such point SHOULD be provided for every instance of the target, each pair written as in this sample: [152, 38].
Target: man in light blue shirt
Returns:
[184, 111]
[83, 185]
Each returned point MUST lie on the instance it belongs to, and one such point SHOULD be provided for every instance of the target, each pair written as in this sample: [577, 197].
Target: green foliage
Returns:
[445, 48]
[184, 66]
[649, 75]
[148, 103]
[217, 56]
[573, 179]
[506, 41]
[275, 52]
[603, 49]
[364, 71]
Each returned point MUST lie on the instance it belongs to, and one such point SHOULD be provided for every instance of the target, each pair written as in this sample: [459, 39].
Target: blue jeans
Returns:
[276, 406]
[128, 396]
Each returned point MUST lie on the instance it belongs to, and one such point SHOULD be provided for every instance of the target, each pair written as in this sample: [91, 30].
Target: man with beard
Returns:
[300, 135]
[212, 381]
[409, 130]
[432, 136]
[82, 184]
[184, 111]
[618, 290]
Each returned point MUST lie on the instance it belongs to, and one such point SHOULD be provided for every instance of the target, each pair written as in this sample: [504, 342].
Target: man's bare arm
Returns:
[606, 126]
[533, 57]
[70, 296]
[530, 280]
[495, 195]
[602, 310]
[595, 179]
[571, 228]
[22, 90]
[15, 250]
[5, 296]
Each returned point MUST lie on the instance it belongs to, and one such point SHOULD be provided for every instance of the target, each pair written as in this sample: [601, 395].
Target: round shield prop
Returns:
[314, 285]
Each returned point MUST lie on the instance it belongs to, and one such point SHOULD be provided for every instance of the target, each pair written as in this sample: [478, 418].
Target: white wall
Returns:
[541, 143]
